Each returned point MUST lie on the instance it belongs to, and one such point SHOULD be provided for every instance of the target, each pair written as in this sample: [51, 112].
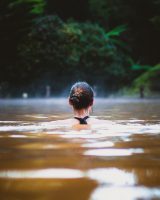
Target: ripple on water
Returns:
[112, 152]
[112, 176]
[129, 193]
[120, 155]
[43, 173]
[109, 126]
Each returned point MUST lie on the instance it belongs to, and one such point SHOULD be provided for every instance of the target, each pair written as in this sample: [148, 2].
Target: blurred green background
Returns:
[112, 44]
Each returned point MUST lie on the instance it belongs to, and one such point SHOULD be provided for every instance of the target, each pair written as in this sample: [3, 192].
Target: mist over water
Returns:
[42, 159]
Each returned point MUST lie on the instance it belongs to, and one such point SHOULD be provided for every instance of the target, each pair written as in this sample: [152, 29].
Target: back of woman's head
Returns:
[81, 95]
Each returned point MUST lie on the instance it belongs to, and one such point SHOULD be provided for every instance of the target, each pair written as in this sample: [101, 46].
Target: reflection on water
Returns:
[112, 152]
[121, 193]
[41, 159]
[44, 173]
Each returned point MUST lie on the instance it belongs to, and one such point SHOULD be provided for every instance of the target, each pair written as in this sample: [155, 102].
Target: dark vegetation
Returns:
[109, 43]
[149, 81]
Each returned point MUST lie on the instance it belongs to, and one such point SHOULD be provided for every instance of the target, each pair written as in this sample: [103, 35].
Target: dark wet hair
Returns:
[81, 95]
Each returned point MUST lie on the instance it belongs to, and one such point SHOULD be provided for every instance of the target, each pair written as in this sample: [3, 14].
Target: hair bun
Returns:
[74, 99]
[81, 95]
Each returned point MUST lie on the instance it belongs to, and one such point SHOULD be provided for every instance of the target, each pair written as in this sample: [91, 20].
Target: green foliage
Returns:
[116, 31]
[139, 16]
[40, 49]
[75, 51]
[149, 80]
[15, 22]
[139, 67]
[149, 77]
[36, 6]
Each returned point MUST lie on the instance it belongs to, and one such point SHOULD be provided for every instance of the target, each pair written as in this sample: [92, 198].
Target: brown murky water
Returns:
[119, 159]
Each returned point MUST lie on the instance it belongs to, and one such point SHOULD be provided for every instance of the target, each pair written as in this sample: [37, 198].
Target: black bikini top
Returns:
[82, 120]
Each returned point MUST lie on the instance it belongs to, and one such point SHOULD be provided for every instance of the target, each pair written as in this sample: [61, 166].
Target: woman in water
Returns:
[81, 99]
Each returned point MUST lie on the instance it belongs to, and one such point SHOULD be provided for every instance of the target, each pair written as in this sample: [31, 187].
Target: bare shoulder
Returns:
[71, 122]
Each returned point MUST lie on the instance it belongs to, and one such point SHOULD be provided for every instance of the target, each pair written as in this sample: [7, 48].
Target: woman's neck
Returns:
[81, 113]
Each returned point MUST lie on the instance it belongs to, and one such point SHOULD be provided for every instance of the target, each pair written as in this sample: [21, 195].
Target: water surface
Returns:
[40, 159]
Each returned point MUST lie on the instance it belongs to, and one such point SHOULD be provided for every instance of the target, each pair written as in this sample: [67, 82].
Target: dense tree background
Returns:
[108, 43]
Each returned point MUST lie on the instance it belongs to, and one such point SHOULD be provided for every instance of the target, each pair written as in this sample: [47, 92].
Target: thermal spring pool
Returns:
[44, 160]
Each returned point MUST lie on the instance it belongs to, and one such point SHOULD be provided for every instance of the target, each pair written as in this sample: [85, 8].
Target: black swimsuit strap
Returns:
[82, 120]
